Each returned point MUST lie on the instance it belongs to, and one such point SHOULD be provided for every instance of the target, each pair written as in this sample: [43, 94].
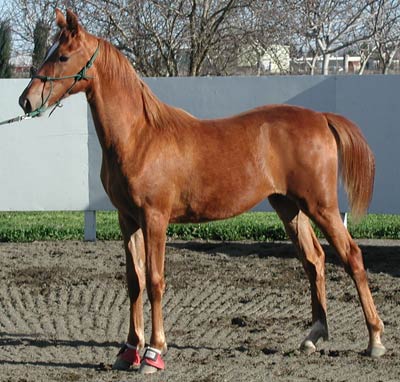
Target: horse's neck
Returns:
[116, 111]
[124, 107]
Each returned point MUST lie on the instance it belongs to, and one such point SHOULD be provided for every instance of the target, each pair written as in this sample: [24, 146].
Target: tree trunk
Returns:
[388, 61]
[325, 64]
[364, 62]
[312, 65]
[346, 63]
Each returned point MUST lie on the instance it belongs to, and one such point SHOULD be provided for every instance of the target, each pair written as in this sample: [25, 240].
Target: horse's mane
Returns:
[157, 113]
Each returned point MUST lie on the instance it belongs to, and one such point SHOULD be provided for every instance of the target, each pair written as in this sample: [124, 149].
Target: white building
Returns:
[274, 60]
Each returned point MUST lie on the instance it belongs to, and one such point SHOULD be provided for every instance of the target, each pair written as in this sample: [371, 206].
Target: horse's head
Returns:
[66, 68]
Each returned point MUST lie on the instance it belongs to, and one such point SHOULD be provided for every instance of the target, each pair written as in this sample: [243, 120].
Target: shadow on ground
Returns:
[377, 258]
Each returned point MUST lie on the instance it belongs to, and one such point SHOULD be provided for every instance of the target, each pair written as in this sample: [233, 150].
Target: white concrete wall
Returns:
[43, 161]
[54, 163]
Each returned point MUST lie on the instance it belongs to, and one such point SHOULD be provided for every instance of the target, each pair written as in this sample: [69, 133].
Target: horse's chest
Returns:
[115, 184]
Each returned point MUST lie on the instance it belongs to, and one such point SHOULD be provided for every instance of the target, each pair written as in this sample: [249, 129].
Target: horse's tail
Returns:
[356, 163]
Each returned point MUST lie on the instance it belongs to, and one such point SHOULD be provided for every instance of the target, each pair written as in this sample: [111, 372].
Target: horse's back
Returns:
[234, 163]
[279, 138]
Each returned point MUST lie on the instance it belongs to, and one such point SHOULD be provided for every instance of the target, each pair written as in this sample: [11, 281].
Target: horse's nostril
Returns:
[27, 106]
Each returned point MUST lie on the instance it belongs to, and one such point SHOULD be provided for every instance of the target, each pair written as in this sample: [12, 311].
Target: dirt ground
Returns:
[233, 312]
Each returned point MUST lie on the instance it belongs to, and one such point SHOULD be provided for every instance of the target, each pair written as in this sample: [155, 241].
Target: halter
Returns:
[81, 75]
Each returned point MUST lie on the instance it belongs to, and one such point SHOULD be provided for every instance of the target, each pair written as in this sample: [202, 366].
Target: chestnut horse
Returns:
[161, 165]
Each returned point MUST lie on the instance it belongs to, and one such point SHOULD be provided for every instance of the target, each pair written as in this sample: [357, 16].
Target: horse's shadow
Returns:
[68, 365]
[377, 258]
[29, 340]
[26, 339]
[7, 339]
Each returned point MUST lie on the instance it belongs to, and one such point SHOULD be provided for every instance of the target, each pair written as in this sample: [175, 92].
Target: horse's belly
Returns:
[209, 204]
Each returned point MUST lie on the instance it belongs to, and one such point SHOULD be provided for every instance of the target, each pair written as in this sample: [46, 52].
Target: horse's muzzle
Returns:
[25, 103]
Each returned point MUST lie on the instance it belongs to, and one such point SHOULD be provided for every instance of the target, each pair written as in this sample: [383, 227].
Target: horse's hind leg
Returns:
[312, 256]
[350, 254]
[135, 271]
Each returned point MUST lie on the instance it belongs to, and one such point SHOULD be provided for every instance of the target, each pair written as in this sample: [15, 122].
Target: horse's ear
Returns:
[72, 22]
[60, 19]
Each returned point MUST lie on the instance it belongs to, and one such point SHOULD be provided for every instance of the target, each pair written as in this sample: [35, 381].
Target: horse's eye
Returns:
[32, 71]
[64, 58]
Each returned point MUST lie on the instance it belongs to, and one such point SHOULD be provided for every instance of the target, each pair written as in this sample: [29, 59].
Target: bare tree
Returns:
[40, 39]
[387, 36]
[329, 26]
[264, 28]
[27, 14]
[183, 37]
[210, 37]
[148, 32]
[384, 28]
[365, 50]
[3, 11]
[5, 49]
[207, 21]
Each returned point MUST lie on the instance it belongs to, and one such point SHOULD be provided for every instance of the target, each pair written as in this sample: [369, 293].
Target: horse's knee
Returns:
[155, 286]
[135, 276]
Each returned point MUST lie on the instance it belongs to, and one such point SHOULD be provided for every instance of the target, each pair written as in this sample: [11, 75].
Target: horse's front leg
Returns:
[154, 231]
[135, 273]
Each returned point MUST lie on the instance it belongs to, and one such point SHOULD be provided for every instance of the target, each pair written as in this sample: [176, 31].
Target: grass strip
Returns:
[258, 226]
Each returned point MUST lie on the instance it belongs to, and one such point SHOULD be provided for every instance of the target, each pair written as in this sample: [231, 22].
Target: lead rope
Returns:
[81, 75]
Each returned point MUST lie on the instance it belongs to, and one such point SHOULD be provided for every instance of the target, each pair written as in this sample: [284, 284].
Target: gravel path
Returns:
[233, 312]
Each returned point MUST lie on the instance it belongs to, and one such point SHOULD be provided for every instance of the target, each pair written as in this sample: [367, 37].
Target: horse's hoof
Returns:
[127, 359]
[147, 369]
[308, 347]
[121, 364]
[152, 361]
[376, 351]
